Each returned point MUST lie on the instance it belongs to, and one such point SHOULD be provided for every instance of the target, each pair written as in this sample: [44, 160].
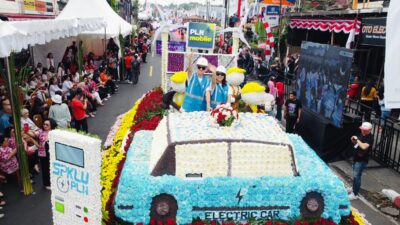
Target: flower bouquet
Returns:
[224, 115]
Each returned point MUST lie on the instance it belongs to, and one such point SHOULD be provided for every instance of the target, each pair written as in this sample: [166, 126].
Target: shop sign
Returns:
[273, 20]
[373, 31]
[39, 7]
[201, 35]
[29, 5]
[272, 10]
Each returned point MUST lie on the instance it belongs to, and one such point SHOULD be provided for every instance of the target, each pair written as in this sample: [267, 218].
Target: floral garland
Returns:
[145, 115]
[113, 131]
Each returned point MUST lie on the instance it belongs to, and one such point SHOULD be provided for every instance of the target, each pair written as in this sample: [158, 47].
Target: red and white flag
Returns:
[352, 35]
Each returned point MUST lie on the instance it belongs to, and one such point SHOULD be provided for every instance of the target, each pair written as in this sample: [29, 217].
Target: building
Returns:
[333, 27]
[28, 9]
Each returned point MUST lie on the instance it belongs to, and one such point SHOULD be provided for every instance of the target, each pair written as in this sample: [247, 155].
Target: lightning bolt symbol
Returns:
[239, 196]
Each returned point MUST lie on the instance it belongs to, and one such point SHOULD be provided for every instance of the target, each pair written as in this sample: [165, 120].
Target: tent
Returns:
[17, 35]
[93, 41]
[96, 8]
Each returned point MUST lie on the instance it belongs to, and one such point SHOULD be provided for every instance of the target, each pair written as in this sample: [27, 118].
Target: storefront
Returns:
[29, 10]
[371, 48]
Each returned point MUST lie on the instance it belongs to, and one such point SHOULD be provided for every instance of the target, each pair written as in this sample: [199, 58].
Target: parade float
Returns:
[220, 167]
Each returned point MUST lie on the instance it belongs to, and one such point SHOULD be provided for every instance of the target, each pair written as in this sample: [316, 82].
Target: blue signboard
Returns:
[201, 35]
[272, 10]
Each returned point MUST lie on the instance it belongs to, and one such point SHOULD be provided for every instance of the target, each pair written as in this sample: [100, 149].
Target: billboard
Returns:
[201, 35]
[322, 79]
[39, 7]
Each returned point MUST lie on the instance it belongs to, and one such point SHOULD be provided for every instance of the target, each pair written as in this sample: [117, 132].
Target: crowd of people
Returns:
[60, 97]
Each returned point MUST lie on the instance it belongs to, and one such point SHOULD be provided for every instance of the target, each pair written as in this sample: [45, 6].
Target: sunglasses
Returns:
[220, 74]
[202, 67]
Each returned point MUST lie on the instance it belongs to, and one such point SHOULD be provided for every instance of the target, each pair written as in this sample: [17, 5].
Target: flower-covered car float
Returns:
[189, 167]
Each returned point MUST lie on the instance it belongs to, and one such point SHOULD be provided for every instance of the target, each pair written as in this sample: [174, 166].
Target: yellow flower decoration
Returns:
[252, 87]
[235, 70]
[179, 77]
[113, 156]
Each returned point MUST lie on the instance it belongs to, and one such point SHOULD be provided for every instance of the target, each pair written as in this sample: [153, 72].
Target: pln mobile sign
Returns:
[201, 35]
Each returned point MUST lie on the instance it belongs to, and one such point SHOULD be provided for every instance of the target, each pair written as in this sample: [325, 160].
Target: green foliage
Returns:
[23, 159]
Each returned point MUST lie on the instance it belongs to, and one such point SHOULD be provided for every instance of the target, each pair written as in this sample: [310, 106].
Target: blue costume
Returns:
[195, 92]
[219, 95]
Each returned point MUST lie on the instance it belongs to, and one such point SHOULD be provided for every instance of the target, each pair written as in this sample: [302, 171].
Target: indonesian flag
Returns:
[352, 35]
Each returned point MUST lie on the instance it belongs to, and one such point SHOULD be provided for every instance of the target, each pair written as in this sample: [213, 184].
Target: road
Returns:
[36, 209]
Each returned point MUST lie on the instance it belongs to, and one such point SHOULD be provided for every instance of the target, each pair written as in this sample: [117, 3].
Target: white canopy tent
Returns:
[95, 8]
[93, 40]
[17, 35]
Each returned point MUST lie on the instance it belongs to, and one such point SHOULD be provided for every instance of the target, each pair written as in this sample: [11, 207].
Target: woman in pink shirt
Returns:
[8, 160]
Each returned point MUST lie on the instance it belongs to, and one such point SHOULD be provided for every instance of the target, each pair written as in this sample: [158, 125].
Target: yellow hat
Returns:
[252, 87]
[179, 77]
[235, 70]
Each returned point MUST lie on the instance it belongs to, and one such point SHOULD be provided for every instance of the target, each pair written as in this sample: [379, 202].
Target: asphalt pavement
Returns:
[36, 208]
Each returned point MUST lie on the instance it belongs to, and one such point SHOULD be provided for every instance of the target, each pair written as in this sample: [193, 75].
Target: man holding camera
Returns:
[362, 145]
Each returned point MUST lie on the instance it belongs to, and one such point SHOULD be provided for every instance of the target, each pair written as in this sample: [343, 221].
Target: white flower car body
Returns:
[192, 169]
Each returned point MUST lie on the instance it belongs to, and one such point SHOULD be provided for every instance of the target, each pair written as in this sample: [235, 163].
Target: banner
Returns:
[322, 79]
[392, 67]
[39, 7]
[272, 10]
[278, 2]
[201, 35]
[29, 5]
[373, 31]
[173, 46]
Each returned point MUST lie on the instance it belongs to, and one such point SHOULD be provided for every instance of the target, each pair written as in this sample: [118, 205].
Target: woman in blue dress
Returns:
[197, 84]
[218, 92]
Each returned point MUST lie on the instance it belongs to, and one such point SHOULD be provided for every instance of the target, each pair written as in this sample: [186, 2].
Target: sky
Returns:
[167, 2]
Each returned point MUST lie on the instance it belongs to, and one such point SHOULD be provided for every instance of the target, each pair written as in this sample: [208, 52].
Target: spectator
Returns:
[280, 99]
[49, 60]
[59, 112]
[128, 67]
[362, 144]
[28, 126]
[135, 70]
[8, 160]
[66, 85]
[6, 115]
[53, 87]
[43, 151]
[60, 70]
[368, 95]
[292, 112]
[79, 106]
[353, 88]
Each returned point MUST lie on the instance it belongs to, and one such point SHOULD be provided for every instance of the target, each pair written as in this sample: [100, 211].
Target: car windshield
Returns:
[234, 158]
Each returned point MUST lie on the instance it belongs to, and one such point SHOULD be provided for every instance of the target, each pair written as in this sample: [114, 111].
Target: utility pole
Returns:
[279, 29]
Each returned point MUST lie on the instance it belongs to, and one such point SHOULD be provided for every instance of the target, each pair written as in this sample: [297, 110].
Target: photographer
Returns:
[78, 106]
[362, 144]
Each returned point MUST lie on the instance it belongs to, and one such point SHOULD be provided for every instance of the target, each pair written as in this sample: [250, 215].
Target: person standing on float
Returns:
[218, 92]
[197, 85]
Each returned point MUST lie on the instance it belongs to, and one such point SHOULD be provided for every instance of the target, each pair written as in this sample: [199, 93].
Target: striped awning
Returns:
[337, 26]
